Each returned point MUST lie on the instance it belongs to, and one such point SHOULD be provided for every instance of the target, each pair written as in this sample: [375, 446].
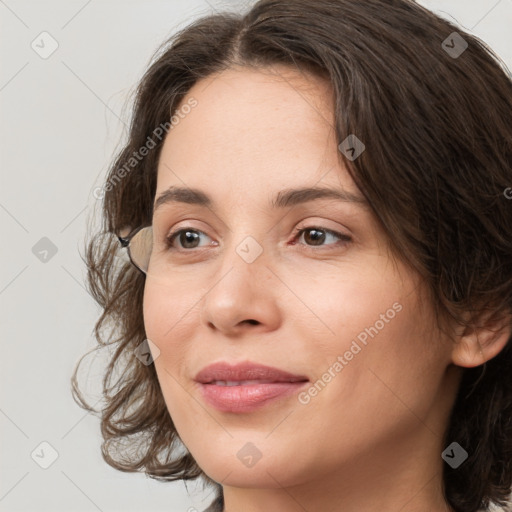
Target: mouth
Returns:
[240, 383]
[246, 387]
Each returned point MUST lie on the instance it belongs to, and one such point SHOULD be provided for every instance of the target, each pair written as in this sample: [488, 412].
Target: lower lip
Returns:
[247, 398]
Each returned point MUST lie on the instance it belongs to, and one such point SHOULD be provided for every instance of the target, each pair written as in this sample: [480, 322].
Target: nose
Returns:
[244, 296]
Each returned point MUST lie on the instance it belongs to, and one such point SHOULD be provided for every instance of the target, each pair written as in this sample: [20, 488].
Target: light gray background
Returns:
[61, 120]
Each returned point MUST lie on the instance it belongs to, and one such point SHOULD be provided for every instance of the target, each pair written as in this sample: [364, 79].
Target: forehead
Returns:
[255, 131]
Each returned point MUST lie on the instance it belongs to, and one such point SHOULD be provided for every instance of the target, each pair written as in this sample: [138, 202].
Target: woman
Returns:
[317, 310]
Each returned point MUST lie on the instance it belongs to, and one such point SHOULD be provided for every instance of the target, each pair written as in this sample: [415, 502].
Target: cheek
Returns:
[161, 320]
[342, 303]
[165, 321]
[166, 311]
[389, 363]
[373, 321]
[170, 318]
[153, 311]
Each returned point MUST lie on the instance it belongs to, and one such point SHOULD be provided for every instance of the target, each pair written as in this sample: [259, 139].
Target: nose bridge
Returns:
[245, 240]
[241, 292]
[244, 257]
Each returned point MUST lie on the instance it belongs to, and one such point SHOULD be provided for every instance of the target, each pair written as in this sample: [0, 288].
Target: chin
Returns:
[251, 465]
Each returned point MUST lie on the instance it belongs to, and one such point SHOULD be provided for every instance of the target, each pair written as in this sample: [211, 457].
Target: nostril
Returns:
[252, 322]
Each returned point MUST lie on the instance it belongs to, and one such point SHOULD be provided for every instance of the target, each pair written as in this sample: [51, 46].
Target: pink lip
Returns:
[246, 396]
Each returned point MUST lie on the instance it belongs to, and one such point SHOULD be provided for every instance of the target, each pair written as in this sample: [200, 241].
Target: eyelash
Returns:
[344, 239]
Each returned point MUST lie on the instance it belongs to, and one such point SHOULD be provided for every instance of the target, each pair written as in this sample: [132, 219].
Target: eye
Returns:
[187, 237]
[314, 236]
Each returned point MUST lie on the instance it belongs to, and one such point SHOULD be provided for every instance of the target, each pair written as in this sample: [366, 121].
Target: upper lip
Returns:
[223, 371]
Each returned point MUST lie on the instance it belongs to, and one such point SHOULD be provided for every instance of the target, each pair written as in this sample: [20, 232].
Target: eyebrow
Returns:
[284, 198]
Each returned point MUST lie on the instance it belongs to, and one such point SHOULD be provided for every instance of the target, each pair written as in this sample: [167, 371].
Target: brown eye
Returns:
[187, 237]
[315, 236]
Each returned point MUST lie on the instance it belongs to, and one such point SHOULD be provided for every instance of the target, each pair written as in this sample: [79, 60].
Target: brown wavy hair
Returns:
[437, 165]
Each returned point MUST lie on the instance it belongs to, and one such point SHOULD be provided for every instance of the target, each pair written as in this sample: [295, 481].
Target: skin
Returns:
[371, 439]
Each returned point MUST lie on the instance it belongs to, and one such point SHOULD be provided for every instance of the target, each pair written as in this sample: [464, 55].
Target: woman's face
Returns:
[335, 311]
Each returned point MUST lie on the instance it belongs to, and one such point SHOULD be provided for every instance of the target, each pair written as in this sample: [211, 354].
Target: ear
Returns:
[477, 345]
